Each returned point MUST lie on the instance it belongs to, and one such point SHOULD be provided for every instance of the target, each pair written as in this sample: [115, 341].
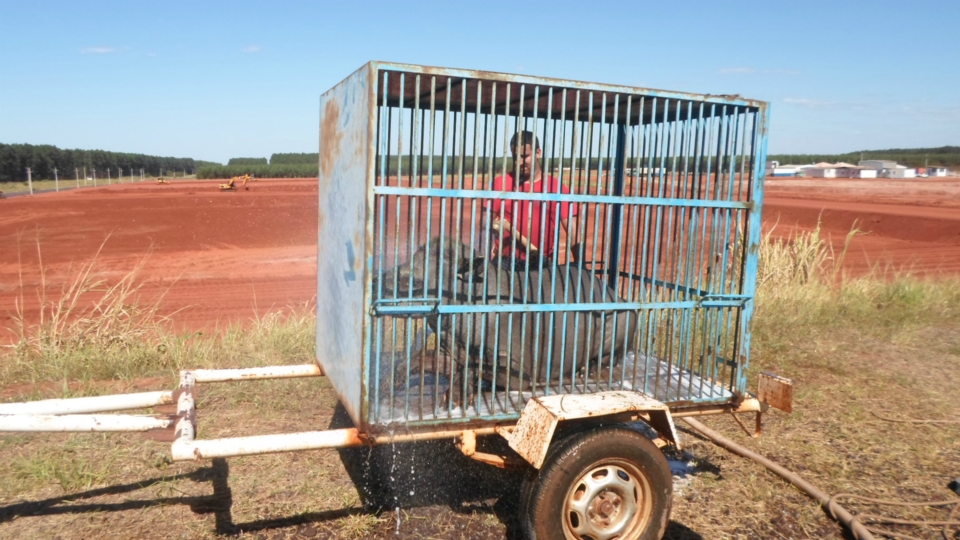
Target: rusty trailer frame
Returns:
[95, 414]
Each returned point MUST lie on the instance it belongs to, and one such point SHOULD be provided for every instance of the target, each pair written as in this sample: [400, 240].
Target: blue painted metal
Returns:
[343, 263]
[667, 188]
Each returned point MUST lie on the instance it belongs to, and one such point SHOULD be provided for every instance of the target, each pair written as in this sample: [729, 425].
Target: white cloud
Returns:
[737, 70]
[809, 103]
[252, 49]
[98, 50]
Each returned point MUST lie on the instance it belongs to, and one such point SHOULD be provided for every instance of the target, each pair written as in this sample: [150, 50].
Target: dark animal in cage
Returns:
[513, 352]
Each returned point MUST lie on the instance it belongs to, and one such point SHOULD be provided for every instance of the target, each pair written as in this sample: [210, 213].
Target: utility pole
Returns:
[141, 175]
[29, 180]
[94, 178]
[56, 180]
[108, 176]
[119, 175]
[76, 174]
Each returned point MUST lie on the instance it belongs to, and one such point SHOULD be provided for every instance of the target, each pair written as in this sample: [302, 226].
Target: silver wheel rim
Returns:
[612, 500]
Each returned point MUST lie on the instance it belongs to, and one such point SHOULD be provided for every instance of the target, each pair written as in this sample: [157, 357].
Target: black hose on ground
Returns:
[840, 513]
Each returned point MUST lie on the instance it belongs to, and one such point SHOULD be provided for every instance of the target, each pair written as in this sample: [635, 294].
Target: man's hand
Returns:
[498, 222]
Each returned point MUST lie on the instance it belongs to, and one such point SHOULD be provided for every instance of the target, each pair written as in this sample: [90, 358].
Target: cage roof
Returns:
[502, 93]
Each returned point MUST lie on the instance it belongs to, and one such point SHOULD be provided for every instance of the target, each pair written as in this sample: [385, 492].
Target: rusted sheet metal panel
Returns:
[342, 247]
[775, 391]
[533, 433]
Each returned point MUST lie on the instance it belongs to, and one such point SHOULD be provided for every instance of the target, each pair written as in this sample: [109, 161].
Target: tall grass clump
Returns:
[804, 296]
[90, 328]
[94, 328]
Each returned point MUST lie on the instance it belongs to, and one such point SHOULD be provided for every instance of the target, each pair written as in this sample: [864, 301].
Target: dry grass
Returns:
[883, 343]
[102, 330]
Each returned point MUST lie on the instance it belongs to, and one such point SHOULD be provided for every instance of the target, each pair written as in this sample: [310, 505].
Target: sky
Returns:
[215, 80]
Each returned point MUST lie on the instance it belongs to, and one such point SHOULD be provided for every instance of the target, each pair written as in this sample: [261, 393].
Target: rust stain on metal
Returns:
[775, 391]
[329, 138]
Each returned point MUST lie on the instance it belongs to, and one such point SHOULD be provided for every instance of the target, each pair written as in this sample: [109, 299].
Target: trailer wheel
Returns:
[600, 484]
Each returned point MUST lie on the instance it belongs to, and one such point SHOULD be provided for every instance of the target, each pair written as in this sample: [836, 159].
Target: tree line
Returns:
[247, 161]
[307, 165]
[944, 156]
[291, 170]
[44, 158]
[279, 159]
[303, 165]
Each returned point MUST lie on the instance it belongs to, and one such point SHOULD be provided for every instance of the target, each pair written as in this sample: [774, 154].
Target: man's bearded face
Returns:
[525, 159]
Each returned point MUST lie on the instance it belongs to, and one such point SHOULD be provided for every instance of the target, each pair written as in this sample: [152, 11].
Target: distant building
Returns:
[878, 164]
[788, 170]
[889, 169]
[900, 171]
[838, 170]
[849, 170]
[937, 171]
[820, 170]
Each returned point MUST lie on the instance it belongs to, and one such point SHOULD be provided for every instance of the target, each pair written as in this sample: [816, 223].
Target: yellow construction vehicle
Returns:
[232, 184]
[160, 180]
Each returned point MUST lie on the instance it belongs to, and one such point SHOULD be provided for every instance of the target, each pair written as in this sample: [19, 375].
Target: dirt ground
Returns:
[909, 225]
[226, 256]
[223, 257]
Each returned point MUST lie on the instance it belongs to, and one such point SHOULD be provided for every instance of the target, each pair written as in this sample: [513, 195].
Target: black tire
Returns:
[633, 504]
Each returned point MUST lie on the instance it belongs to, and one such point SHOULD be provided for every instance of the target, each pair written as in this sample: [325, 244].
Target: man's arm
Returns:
[573, 238]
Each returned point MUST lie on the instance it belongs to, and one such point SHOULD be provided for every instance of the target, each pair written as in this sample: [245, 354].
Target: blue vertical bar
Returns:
[753, 242]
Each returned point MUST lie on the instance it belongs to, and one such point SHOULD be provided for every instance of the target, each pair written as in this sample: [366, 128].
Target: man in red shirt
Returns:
[523, 220]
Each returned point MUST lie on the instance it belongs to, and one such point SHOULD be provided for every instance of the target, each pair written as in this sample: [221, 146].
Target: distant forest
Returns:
[247, 161]
[43, 158]
[283, 159]
[280, 166]
[945, 156]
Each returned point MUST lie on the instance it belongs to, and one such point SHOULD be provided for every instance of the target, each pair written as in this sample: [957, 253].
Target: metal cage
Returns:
[418, 310]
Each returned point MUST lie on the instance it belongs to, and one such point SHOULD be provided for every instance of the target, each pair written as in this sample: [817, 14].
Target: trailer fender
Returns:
[534, 431]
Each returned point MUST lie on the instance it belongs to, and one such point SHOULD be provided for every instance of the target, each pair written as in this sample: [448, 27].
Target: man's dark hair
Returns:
[525, 137]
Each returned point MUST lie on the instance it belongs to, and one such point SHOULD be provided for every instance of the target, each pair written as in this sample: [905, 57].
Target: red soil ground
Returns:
[226, 256]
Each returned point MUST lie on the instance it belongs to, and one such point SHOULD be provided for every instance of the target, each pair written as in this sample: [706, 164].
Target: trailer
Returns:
[542, 260]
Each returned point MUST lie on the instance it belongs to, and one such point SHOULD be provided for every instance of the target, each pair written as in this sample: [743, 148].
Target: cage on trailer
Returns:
[433, 311]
